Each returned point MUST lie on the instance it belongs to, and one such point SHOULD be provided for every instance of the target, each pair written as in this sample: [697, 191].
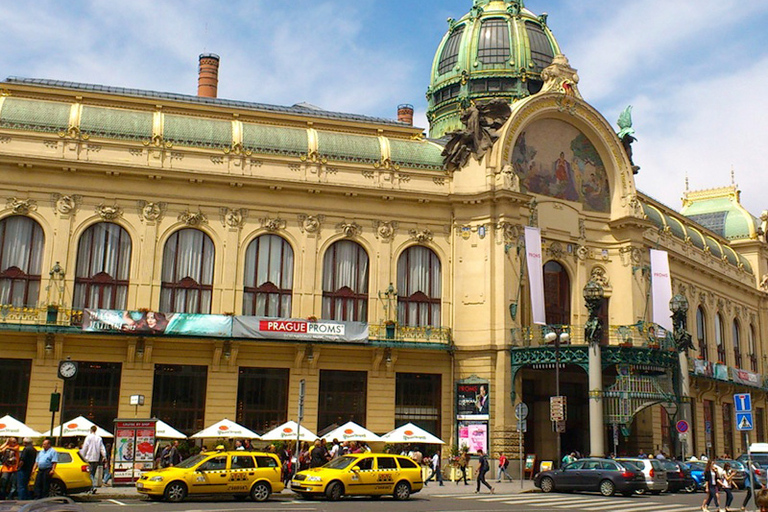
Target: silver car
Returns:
[654, 472]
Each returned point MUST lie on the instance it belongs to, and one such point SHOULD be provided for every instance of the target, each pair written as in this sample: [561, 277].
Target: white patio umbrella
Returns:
[288, 432]
[351, 431]
[410, 433]
[78, 427]
[11, 427]
[225, 429]
[165, 431]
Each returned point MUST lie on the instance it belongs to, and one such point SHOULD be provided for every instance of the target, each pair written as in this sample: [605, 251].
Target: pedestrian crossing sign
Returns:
[744, 421]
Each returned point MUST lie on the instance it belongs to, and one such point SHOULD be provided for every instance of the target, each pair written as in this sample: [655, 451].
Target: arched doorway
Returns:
[557, 294]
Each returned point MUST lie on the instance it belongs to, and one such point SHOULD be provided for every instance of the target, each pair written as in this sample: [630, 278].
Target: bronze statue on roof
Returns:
[482, 123]
[626, 135]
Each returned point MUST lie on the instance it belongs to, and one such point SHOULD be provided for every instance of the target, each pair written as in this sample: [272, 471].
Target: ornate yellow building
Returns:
[210, 254]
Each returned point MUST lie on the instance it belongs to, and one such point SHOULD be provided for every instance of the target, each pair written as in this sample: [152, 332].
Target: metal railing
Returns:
[641, 335]
[409, 334]
[39, 315]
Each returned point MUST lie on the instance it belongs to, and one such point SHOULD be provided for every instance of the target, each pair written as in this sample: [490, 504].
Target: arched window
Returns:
[345, 282]
[187, 278]
[419, 287]
[752, 349]
[21, 258]
[719, 331]
[268, 281]
[701, 332]
[450, 54]
[736, 344]
[103, 267]
[493, 46]
[557, 294]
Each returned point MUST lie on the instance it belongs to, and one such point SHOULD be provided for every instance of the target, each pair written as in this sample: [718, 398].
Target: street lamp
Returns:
[593, 295]
[679, 307]
[553, 337]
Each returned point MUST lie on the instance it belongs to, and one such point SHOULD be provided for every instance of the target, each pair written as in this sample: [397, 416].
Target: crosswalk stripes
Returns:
[587, 503]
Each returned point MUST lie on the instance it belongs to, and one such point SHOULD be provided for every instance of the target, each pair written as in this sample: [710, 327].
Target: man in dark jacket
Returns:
[26, 463]
[319, 455]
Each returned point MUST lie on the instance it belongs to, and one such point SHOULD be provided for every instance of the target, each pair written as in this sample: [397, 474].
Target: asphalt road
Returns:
[433, 501]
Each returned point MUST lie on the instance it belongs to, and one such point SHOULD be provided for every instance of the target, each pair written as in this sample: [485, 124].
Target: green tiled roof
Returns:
[39, 116]
[115, 123]
[719, 211]
[191, 131]
[352, 148]
[416, 154]
[274, 139]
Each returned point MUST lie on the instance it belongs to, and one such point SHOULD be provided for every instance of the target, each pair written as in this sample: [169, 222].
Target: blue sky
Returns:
[695, 70]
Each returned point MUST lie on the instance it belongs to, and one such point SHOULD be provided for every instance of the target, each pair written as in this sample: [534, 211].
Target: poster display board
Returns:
[134, 449]
[473, 401]
[473, 435]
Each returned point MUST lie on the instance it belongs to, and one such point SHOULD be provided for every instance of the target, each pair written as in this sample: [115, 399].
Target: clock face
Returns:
[68, 369]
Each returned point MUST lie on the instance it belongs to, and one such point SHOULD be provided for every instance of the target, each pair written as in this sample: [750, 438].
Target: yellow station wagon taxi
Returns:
[236, 473]
[365, 474]
[71, 476]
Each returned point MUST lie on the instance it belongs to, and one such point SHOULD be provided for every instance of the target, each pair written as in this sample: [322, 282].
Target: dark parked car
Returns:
[603, 475]
[739, 469]
[697, 473]
[678, 477]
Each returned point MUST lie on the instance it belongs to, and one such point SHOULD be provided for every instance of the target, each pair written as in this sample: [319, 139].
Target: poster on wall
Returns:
[134, 449]
[473, 401]
[473, 435]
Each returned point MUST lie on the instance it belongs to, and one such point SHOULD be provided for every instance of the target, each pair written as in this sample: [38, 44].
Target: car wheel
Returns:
[402, 491]
[547, 484]
[260, 491]
[57, 488]
[175, 491]
[691, 488]
[334, 491]
[640, 492]
[607, 488]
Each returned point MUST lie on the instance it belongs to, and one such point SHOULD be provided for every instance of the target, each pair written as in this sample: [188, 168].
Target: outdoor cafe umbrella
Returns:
[351, 431]
[11, 427]
[165, 431]
[288, 432]
[225, 429]
[78, 427]
[410, 433]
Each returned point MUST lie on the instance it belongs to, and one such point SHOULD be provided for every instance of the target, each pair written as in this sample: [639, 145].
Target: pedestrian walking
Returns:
[751, 477]
[463, 462]
[10, 454]
[174, 455]
[26, 463]
[728, 484]
[94, 453]
[503, 465]
[711, 486]
[435, 464]
[482, 468]
[45, 464]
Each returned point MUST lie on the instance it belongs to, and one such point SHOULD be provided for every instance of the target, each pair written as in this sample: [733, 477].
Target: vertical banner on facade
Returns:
[134, 450]
[535, 274]
[661, 283]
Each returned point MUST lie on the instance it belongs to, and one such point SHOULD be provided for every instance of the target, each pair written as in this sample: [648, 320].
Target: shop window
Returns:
[719, 341]
[736, 344]
[727, 431]
[345, 282]
[94, 393]
[14, 392]
[557, 294]
[417, 400]
[342, 398]
[262, 397]
[187, 277]
[701, 333]
[178, 396]
[268, 281]
[103, 267]
[21, 256]
[419, 287]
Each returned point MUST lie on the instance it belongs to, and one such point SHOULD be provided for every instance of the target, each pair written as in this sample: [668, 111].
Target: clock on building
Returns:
[67, 370]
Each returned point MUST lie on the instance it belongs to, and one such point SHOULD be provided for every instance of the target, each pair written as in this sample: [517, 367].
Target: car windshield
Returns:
[341, 462]
[632, 465]
[192, 461]
[669, 465]
[738, 466]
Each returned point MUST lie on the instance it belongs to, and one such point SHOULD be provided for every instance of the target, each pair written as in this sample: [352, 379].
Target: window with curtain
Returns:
[701, 332]
[752, 349]
[736, 344]
[187, 278]
[103, 268]
[719, 332]
[345, 282]
[21, 259]
[419, 287]
[268, 281]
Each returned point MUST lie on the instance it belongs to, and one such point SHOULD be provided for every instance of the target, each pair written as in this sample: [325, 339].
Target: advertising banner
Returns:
[153, 322]
[474, 435]
[296, 329]
[134, 449]
[745, 377]
[703, 368]
[473, 401]
[535, 274]
[661, 283]
[721, 372]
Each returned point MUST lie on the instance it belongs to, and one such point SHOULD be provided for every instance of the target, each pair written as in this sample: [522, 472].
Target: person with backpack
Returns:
[10, 454]
[482, 468]
[503, 465]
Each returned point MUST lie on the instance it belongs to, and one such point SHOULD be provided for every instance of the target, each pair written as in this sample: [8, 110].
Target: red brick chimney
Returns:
[208, 75]
[405, 114]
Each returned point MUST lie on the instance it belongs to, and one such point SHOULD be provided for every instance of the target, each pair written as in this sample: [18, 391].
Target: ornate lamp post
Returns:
[593, 333]
[679, 307]
[558, 339]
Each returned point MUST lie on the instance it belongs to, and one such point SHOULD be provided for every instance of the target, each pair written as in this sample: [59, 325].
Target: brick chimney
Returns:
[405, 114]
[208, 75]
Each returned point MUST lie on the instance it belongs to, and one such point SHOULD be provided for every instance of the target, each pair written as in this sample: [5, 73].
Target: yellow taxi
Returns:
[237, 473]
[363, 474]
[71, 476]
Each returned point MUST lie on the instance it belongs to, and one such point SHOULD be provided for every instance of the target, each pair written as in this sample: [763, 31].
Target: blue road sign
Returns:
[742, 402]
[744, 421]
[708, 427]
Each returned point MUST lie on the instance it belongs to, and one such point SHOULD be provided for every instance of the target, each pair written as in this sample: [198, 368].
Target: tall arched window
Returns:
[419, 287]
[752, 349]
[719, 331]
[187, 278]
[103, 267]
[268, 281]
[345, 282]
[701, 332]
[557, 294]
[21, 258]
[736, 344]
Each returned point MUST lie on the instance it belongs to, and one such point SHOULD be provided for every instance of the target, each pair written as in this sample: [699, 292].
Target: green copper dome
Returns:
[497, 50]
